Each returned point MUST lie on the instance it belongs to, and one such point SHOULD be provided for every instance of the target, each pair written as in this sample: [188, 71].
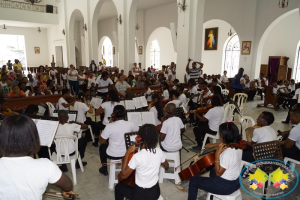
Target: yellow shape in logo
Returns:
[283, 186]
[253, 186]
[277, 175]
[259, 175]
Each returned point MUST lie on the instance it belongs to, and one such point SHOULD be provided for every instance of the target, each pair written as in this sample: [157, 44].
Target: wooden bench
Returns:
[270, 98]
[25, 101]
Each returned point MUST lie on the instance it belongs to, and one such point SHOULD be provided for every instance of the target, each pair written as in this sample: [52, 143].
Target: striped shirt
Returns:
[195, 73]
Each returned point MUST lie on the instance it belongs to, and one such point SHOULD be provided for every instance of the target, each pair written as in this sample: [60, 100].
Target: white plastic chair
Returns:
[241, 100]
[51, 108]
[112, 173]
[237, 195]
[58, 158]
[292, 162]
[246, 122]
[225, 92]
[175, 157]
[213, 137]
[228, 113]
[91, 131]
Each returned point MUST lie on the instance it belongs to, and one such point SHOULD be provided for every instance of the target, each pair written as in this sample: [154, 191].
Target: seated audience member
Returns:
[131, 80]
[165, 89]
[5, 85]
[139, 82]
[170, 133]
[283, 93]
[160, 79]
[65, 129]
[291, 146]
[17, 93]
[122, 86]
[5, 110]
[41, 83]
[176, 84]
[31, 110]
[224, 177]
[116, 148]
[64, 77]
[205, 93]
[91, 81]
[147, 92]
[63, 101]
[146, 164]
[293, 102]
[37, 91]
[156, 107]
[21, 175]
[209, 123]
[81, 78]
[182, 96]
[22, 87]
[106, 108]
[215, 83]
[264, 134]
[292, 87]
[262, 82]
[224, 79]
[174, 96]
[248, 89]
[31, 81]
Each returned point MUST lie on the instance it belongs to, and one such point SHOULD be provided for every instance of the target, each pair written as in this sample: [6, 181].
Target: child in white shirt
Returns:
[148, 91]
[165, 89]
[62, 102]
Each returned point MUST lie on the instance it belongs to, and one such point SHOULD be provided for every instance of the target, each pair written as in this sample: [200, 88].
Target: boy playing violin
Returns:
[146, 163]
[224, 178]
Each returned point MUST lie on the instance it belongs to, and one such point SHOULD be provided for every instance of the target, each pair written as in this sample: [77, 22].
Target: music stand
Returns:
[128, 136]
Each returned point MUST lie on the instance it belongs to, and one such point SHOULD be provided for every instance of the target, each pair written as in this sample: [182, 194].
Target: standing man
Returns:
[18, 64]
[194, 72]
[171, 71]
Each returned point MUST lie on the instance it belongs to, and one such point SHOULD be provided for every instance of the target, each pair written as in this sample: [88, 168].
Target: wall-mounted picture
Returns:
[37, 50]
[140, 50]
[246, 47]
[211, 38]
[114, 50]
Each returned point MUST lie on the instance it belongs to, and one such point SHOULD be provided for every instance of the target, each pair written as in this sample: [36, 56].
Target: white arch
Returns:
[264, 37]
[100, 50]
[164, 38]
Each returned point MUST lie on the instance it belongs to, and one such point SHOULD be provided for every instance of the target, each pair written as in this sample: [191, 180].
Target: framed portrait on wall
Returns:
[211, 38]
[37, 50]
[114, 50]
[140, 50]
[246, 47]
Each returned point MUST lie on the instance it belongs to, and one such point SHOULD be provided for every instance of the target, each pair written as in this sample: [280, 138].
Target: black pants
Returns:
[136, 193]
[250, 93]
[95, 128]
[104, 156]
[83, 87]
[192, 106]
[292, 103]
[44, 153]
[200, 132]
[293, 153]
[103, 95]
[74, 87]
[261, 91]
[248, 154]
[213, 184]
[99, 126]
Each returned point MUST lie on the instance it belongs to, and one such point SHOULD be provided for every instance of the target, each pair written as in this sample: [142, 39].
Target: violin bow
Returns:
[199, 153]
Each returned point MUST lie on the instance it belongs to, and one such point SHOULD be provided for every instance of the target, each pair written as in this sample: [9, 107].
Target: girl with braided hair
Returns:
[147, 163]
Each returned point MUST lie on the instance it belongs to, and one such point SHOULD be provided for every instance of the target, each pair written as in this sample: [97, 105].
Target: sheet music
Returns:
[122, 103]
[138, 102]
[46, 130]
[148, 118]
[129, 104]
[72, 117]
[135, 117]
[96, 102]
[144, 101]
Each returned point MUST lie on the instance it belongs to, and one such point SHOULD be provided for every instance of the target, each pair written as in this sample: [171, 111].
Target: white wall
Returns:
[32, 39]
[167, 53]
[212, 59]
[283, 40]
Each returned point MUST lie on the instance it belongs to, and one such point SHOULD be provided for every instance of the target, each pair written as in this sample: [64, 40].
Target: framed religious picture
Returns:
[37, 50]
[246, 47]
[211, 38]
[140, 50]
[114, 50]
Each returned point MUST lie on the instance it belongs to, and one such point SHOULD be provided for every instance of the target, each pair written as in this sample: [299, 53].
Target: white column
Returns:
[189, 34]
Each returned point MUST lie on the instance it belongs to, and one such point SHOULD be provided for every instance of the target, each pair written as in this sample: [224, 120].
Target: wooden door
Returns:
[282, 72]
[264, 69]
[289, 74]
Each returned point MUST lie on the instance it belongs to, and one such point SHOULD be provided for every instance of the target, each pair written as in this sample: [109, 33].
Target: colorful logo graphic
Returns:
[269, 179]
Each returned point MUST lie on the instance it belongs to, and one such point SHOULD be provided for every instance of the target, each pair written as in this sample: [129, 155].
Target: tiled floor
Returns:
[92, 185]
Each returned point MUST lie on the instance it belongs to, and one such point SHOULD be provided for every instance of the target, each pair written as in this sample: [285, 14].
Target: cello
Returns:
[130, 180]
[205, 162]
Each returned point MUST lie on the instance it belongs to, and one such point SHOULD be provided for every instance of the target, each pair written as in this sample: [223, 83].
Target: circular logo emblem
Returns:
[269, 179]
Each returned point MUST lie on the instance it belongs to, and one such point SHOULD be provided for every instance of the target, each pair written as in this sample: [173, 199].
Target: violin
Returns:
[205, 162]
[201, 110]
[130, 180]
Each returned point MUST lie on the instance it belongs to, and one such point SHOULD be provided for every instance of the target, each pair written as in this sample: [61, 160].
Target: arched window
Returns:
[107, 53]
[297, 67]
[232, 56]
[155, 54]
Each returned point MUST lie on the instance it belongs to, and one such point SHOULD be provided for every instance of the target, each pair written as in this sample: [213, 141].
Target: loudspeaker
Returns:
[49, 9]
[174, 36]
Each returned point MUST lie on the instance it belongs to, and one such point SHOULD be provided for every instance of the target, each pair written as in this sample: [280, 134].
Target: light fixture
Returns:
[283, 3]
[33, 1]
[4, 27]
[39, 30]
[63, 32]
[119, 19]
[230, 33]
[84, 27]
[137, 27]
[182, 5]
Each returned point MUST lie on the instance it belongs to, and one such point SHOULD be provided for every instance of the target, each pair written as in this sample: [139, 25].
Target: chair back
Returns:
[241, 99]
[62, 143]
[246, 122]
[228, 113]
[225, 92]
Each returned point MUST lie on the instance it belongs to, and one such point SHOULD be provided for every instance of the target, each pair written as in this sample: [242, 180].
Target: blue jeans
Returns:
[74, 86]
[213, 184]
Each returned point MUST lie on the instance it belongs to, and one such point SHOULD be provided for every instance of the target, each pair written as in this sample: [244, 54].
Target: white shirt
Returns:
[292, 87]
[297, 92]
[60, 102]
[103, 83]
[148, 92]
[72, 78]
[215, 116]
[259, 82]
[172, 128]
[108, 107]
[147, 165]
[53, 73]
[176, 102]
[166, 95]
[224, 79]
[264, 134]
[81, 108]
[115, 133]
[295, 135]
[82, 77]
[68, 129]
[275, 90]
[170, 73]
[154, 110]
[65, 76]
[194, 91]
[25, 178]
[122, 87]
[90, 81]
[230, 159]
[182, 98]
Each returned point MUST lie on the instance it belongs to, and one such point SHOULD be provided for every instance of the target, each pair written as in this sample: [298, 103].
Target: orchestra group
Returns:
[199, 101]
